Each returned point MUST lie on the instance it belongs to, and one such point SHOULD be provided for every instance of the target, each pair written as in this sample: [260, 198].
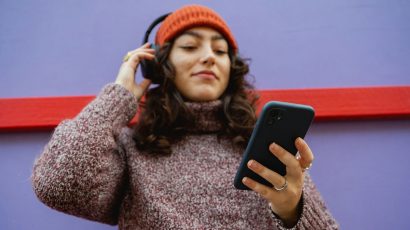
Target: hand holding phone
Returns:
[279, 122]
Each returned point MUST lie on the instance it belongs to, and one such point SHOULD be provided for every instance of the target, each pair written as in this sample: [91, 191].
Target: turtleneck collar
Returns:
[206, 116]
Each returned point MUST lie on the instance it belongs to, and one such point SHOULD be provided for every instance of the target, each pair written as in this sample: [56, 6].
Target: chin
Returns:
[203, 96]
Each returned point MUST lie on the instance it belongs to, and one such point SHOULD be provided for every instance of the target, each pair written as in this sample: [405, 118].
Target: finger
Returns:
[147, 50]
[306, 155]
[151, 50]
[137, 51]
[267, 174]
[136, 58]
[142, 55]
[261, 189]
[292, 165]
[143, 86]
[145, 46]
[140, 49]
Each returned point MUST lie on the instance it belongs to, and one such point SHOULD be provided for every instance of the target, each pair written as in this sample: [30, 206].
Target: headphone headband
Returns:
[151, 27]
[148, 66]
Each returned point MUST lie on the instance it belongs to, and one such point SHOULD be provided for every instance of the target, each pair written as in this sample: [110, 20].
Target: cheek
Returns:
[227, 72]
[226, 65]
[181, 63]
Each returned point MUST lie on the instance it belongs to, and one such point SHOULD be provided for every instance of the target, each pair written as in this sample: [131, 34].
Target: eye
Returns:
[188, 47]
[221, 52]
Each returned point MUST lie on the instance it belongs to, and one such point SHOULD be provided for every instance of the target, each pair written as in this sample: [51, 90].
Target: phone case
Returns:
[279, 122]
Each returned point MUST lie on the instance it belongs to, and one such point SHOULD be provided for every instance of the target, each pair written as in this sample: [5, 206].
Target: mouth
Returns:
[205, 74]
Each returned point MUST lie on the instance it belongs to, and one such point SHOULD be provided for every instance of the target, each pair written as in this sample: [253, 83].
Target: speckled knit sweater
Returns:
[92, 169]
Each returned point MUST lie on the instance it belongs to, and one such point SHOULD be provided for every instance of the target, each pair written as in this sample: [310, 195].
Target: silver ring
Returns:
[283, 187]
[308, 167]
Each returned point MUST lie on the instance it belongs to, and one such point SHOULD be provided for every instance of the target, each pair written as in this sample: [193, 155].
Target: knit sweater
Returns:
[92, 169]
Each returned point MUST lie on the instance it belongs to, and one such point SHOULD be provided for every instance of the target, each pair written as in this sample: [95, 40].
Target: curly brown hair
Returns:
[165, 118]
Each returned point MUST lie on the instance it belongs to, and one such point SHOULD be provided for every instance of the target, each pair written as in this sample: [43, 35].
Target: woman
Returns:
[175, 168]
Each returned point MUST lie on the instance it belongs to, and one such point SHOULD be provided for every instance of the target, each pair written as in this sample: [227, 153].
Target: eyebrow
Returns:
[200, 36]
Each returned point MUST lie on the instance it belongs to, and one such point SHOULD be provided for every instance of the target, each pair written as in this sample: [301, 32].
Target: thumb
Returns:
[145, 84]
[141, 88]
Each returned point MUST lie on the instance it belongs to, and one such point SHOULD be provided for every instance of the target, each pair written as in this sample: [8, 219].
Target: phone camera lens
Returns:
[274, 116]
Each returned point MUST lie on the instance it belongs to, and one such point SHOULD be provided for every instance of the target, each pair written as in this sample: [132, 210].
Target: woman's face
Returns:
[201, 61]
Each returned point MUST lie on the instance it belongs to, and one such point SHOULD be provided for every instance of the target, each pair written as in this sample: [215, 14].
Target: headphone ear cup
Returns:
[149, 70]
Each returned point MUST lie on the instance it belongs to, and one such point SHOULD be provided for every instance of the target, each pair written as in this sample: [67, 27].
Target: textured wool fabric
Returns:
[192, 16]
[92, 169]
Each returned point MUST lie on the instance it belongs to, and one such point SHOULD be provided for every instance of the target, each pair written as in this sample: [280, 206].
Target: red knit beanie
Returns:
[193, 16]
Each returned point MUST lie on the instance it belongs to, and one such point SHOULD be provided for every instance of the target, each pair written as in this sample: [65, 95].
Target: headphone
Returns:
[148, 66]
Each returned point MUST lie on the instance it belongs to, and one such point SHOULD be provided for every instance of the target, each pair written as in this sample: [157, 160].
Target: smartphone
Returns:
[279, 122]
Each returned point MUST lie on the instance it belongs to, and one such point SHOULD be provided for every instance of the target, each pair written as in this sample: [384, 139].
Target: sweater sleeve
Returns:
[315, 214]
[82, 170]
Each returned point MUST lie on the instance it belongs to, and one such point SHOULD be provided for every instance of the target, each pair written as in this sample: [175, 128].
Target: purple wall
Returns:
[75, 47]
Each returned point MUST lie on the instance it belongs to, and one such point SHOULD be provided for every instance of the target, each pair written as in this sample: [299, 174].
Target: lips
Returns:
[205, 74]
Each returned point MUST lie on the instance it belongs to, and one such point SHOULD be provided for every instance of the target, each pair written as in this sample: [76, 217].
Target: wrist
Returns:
[290, 218]
[125, 86]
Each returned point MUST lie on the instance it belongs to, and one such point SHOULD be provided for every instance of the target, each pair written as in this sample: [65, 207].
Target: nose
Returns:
[208, 56]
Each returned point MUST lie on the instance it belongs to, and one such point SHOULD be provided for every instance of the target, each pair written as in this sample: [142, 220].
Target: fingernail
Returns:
[273, 146]
[252, 164]
[247, 182]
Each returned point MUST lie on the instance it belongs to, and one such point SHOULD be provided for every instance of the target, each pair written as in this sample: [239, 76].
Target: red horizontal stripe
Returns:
[330, 104]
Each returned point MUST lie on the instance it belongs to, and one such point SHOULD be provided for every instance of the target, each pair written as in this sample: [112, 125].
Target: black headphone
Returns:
[148, 66]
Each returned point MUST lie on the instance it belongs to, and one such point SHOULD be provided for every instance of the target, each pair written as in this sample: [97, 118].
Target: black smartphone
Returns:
[279, 122]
